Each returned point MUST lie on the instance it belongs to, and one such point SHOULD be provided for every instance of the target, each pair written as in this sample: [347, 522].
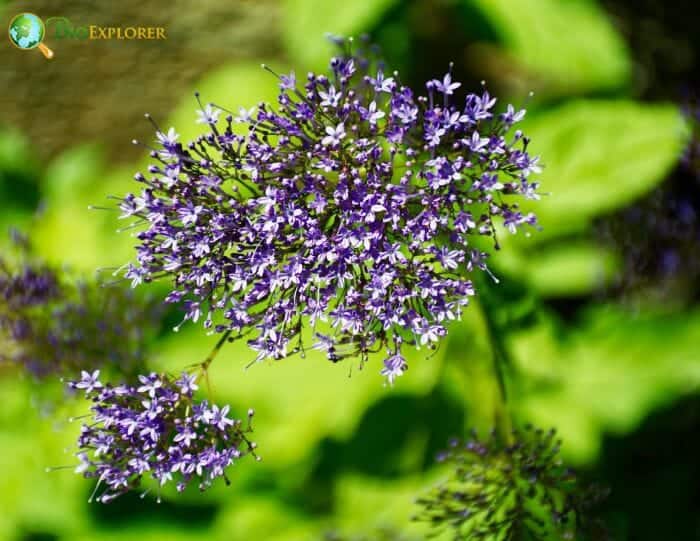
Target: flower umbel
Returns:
[509, 491]
[156, 429]
[352, 205]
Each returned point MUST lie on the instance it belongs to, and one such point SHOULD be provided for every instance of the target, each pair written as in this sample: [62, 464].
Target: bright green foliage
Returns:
[599, 156]
[306, 21]
[602, 374]
[299, 401]
[570, 46]
[605, 375]
[561, 269]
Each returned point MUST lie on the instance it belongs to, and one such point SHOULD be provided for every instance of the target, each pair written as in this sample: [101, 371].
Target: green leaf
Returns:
[306, 22]
[74, 173]
[600, 156]
[19, 174]
[251, 517]
[68, 231]
[364, 503]
[30, 497]
[239, 84]
[559, 269]
[298, 401]
[572, 45]
[605, 375]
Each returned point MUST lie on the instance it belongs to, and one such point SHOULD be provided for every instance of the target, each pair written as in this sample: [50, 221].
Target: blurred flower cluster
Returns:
[156, 428]
[513, 490]
[691, 156]
[657, 236]
[352, 204]
[52, 323]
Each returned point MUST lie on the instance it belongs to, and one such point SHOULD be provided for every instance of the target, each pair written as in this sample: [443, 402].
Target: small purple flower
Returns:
[208, 115]
[149, 384]
[511, 116]
[288, 82]
[373, 115]
[333, 135]
[331, 98]
[187, 383]
[88, 381]
[382, 84]
[394, 367]
[168, 139]
[446, 86]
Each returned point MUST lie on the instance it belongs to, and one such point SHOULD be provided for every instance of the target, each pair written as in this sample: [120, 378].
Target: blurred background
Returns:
[598, 314]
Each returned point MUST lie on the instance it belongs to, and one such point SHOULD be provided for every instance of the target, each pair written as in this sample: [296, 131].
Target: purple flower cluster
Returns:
[156, 429]
[52, 323]
[352, 206]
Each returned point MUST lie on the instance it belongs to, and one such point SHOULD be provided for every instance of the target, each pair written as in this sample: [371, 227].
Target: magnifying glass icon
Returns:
[27, 32]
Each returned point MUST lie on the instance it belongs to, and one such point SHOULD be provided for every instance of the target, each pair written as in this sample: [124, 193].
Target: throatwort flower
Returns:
[352, 204]
[516, 491]
[156, 429]
[51, 323]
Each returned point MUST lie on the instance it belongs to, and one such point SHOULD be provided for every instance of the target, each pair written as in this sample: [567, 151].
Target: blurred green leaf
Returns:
[298, 401]
[363, 504]
[599, 156]
[146, 532]
[73, 173]
[68, 232]
[15, 153]
[306, 22]
[236, 85]
[31, 498]
[605, 375]
[254, 517]
[567, 268]
[571, 44]
[19, 174]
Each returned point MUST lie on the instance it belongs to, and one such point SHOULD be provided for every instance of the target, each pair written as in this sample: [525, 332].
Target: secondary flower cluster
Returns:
[52, 323]
[352, 204]
[518, 490]
[156, 429]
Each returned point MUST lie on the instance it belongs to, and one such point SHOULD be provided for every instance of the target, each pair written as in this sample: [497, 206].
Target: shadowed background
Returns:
[598, 312]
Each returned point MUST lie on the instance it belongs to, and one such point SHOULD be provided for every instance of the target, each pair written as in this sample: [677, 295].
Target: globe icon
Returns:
[27, 32]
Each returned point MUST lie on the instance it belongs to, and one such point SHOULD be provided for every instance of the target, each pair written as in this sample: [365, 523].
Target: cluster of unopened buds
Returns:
[512, 487]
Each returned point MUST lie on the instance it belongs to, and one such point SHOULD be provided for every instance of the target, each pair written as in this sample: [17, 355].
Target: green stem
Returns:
[501, 361]
[206, 362]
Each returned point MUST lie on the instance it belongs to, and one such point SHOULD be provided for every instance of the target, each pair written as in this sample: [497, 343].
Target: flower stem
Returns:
[206, 362]
[501, 362]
